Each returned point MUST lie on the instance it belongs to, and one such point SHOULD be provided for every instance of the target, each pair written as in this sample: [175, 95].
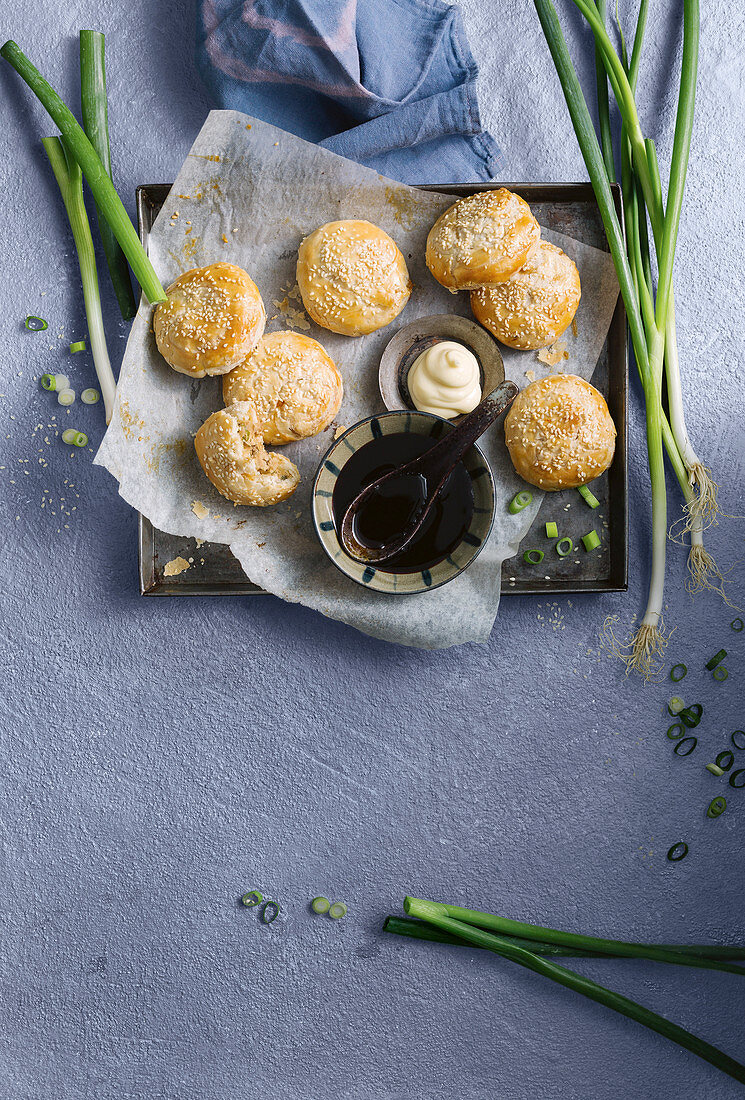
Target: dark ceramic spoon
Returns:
[432, 469]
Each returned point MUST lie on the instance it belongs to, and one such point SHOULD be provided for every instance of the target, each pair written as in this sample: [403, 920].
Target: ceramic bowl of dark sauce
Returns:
[451, 538]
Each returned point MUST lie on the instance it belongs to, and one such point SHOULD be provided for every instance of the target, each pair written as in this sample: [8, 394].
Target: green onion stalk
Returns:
[468, 926]
[70, 180]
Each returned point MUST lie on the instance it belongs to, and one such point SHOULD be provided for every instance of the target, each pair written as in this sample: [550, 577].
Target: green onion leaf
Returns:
[692, 741]
[712, 663]
[733, 777]
[48, 383]
[716, 807]
[35, 324]
[725, 759]
[737, 625]
[738, 739]
[591, 541]
[79, 345]
[552, 531]
[679, 731]
[338, 910]
[678, 851]
[720, 673]
[691, 716]
[253, 897]
[590, 500]
[533, 557]
[677, 672]
[320, 905]
[715, 769]
[519, 501]
[270, 912]
[564, 546]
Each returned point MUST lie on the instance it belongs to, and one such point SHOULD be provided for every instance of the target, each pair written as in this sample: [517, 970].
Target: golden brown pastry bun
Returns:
[352, 277]
[293, 384]
[213, 318]
[481, 239]
[559, 432]
[536, 304]
[231, 451]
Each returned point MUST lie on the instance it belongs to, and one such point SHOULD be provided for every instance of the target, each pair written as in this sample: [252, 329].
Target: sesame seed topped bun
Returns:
[481, 239]
[536, 304]
[212, 319]
[559, 433]
[293, 383]
[352, 277]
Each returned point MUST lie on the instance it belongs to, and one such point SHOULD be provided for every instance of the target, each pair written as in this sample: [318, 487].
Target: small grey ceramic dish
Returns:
[384, 580]
[411, 340]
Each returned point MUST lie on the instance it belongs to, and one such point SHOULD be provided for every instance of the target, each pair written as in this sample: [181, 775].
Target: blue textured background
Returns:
[160, 757]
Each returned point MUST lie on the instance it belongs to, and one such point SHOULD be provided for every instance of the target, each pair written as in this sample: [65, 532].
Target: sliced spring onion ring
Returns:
[253, 897]
[90, 397]
[717, 806]
[564, 547]
[692, 741]
[733, 777]
[738, 739]
[691, 716]
[717, 659]
[725, 760]
[533, 557]
[678, 851]
[35, 324]
[66, 396]
[519, 501]
[74, 438]
[675, 706]
[338, 910]
[677, 672]
[591, 541]
[737, 625]
[680, 730]
[320, 905]
[270, 912]
[720, 673]
[552, 531]
[715, 769]
[47, 382]
[590, 500]
[55, 382]
[78, 345]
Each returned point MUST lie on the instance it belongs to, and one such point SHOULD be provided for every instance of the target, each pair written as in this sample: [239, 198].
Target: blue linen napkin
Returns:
[388, 83]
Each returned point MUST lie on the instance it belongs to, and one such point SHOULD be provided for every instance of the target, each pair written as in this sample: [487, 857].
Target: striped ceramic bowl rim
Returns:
[443, 571]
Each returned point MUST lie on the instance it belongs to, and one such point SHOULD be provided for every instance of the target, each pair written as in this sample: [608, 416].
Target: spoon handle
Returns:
[441, 458]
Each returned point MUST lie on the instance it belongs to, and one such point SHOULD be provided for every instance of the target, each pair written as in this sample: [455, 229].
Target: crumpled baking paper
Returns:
[247, 194]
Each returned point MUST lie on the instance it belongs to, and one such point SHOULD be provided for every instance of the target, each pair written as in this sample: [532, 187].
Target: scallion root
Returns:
[644, 652]
[704, 574]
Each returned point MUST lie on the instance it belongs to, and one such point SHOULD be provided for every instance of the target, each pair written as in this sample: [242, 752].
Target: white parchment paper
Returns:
[247, 194]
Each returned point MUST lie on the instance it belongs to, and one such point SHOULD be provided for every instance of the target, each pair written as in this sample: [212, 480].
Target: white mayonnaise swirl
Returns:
[445, 380]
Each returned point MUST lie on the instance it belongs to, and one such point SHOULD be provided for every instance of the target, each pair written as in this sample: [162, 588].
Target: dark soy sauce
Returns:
[389, 511]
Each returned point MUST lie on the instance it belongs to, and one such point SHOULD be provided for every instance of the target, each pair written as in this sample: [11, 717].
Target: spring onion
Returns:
[738, 739]
[692, 741]
[55, 382]
[83, 153]
[675, 706]
[78, 345]
[590, 500]
[564, 546]
[716, 807]
[678, 729]
[691, 716]
[733, 777]
[677, 672]
[320, 905]
[519, 501]
[737, 625]
[253, 897]
[717, 659]
[552, 531]
[338, 910]
[678, 851]
[66, 397]
[725, 759]
[90, 396]
[591, 541]
[35, 324]
[69, 178]
[74, 438]
[715, 769]
[438, 915]
[270, 912]
[720, 673]
[533, 557]
[95, 114]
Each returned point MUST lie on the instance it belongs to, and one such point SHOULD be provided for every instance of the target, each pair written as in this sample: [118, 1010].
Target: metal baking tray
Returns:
[568, 208]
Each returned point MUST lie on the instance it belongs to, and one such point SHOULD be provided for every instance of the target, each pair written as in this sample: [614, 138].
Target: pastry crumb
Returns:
[530, 375]
[340, 430]
[199, 509]
[553, 354]
[176, 566]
